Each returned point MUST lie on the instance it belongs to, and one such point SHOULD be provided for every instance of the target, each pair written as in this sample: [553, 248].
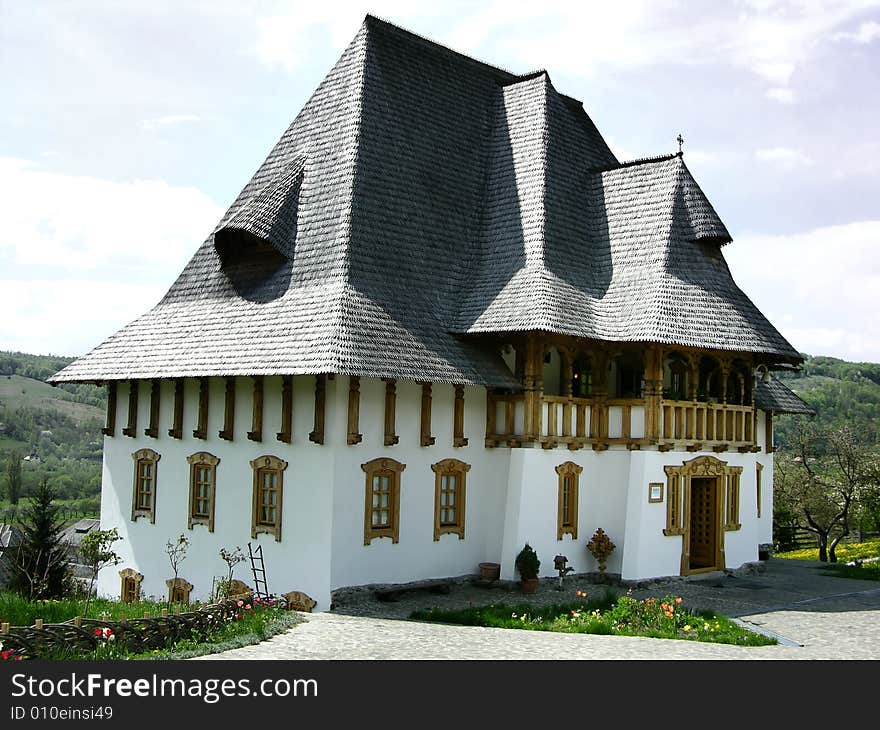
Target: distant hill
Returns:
[841, 392]
[56, 429]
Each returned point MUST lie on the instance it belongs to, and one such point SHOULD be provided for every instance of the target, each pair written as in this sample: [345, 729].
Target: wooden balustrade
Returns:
[600, 422]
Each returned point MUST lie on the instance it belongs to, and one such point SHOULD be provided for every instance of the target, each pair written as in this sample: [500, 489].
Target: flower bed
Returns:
[665, 618]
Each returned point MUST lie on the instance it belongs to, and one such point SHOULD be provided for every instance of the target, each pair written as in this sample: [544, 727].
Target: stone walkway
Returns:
[817, 617]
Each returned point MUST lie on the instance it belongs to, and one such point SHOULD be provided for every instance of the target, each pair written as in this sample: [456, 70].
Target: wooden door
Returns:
[703, 523]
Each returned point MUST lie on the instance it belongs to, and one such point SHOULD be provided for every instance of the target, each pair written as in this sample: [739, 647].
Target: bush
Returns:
[527, 563]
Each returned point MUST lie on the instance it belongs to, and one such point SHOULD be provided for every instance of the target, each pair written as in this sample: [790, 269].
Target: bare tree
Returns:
[176, 551]
[823, 479]
[97, 553]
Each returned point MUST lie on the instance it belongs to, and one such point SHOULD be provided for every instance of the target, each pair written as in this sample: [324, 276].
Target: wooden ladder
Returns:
[258, 568]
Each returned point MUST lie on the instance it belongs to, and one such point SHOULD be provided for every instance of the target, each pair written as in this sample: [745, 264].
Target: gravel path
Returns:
[817, 617]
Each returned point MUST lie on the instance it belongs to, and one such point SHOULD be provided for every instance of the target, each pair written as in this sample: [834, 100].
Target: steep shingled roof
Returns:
[421, 197]
[771, 394]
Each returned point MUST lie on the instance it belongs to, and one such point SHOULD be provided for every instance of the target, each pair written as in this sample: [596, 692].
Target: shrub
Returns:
[527, 563]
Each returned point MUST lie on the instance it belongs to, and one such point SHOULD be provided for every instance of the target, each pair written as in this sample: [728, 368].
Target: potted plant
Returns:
[528, 565]
[600, 547]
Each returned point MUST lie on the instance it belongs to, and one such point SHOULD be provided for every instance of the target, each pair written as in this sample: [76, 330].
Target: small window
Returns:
[143, 499]
[449, 497]
[567, 498]
[202, 489]
[267, 498]
[130, 591]
[382, 499]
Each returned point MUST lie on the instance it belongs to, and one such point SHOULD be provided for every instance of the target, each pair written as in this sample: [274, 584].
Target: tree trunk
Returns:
[823, 548]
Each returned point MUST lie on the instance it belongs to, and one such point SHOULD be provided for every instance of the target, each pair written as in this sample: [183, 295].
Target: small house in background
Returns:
[72, 537]
[10, 539]
[443, 320]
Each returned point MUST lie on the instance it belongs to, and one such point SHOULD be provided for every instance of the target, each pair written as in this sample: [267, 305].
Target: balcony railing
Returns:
[601, 422]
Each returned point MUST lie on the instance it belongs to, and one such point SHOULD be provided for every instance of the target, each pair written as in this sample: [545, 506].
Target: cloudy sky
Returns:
[127, 128]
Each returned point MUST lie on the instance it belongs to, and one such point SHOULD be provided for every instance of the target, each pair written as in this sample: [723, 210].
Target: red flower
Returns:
[238, 617]
[98, 632]
[4, 655]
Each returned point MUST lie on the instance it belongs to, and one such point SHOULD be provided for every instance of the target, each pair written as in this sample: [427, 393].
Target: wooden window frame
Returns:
[568, 471]
[144, 456]
[130, 577]
[450, 468]
[260, 465]
[759, 469]
[391, 468]
[202, 460]
[731, 501]
[179, 584]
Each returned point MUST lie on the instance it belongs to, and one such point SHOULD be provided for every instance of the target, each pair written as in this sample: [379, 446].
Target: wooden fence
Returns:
[80, 636]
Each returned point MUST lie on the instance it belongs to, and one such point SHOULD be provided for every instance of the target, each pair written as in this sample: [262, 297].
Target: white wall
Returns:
[416, 555]
[301, 561]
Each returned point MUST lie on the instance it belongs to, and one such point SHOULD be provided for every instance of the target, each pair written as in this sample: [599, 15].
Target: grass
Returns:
[662, 618]
[846, 552]
[16, 390]
[253, 626]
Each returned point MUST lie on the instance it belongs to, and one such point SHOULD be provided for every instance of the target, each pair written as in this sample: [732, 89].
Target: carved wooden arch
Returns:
[181, 586]
[678, 502]
[141, 456]
[458, 469]
[130, 585]
[567, 470]
[201, 459]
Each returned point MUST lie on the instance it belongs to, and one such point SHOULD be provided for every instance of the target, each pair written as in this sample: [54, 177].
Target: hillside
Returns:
[843, 393]
[57, 430]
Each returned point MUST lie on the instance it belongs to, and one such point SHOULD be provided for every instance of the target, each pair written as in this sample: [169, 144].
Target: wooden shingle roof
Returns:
[421, 197]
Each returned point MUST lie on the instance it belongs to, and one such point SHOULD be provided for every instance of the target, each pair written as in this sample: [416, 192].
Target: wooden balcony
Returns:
[601, 422]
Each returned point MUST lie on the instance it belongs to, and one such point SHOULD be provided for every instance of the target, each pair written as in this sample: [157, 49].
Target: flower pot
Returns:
[490, 571]
[528, 585]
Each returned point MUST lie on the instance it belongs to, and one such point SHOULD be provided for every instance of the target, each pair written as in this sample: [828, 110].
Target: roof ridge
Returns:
[439, 46]
[637, 161]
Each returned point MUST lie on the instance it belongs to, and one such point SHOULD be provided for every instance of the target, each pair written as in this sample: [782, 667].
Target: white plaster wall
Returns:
[648, 552]
[532, 506]
[301, 561]
[416, 555]
[765, 523]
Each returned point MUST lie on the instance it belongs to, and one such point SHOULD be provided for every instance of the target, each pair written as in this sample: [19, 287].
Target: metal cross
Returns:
[680, 141]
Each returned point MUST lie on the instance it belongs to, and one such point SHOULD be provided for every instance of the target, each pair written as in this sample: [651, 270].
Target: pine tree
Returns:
[41, 566]
[13, 476]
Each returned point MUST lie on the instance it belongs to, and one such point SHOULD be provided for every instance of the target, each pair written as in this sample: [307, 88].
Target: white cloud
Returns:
[86, 223]
[783, 96]
[819, 287]
[786, 157]
[867, 32]
[151, 125]
[81, 256]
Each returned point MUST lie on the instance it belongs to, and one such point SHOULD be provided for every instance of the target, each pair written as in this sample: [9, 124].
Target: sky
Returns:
[128, 127]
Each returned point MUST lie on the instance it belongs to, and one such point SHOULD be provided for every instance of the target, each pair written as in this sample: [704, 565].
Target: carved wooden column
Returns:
[155, 400]
[567, 375]
[458, 438]
[653, 391]
[599, 402]
[317, 435]
[285, 435]
[204, 399]
[533, 382]
[110, 426]
[426, 438]
[391, 437]
[354, 410]
[229, 411]
[256, 432]
[176, 430]
[131, 429]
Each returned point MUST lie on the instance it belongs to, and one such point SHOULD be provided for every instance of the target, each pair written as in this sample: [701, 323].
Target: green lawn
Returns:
[846, 552]
[16, 391]
[662, 618]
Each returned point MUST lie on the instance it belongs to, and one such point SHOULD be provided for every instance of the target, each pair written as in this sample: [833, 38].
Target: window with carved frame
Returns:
[143, 497]
[130, 588]
[267, 498]
[202, 489]
[568, 488]
[450, 477]
[382, 499]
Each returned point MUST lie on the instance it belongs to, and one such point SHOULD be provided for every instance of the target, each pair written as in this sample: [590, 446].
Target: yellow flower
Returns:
[687, 627]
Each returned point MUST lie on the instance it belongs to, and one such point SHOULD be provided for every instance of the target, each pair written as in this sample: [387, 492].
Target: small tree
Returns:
[13, 477]
[231, 558]
[176, 551]
[97, 553]
[41, 568]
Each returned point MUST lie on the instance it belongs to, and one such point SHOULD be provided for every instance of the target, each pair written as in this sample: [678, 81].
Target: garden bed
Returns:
[609, 614]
